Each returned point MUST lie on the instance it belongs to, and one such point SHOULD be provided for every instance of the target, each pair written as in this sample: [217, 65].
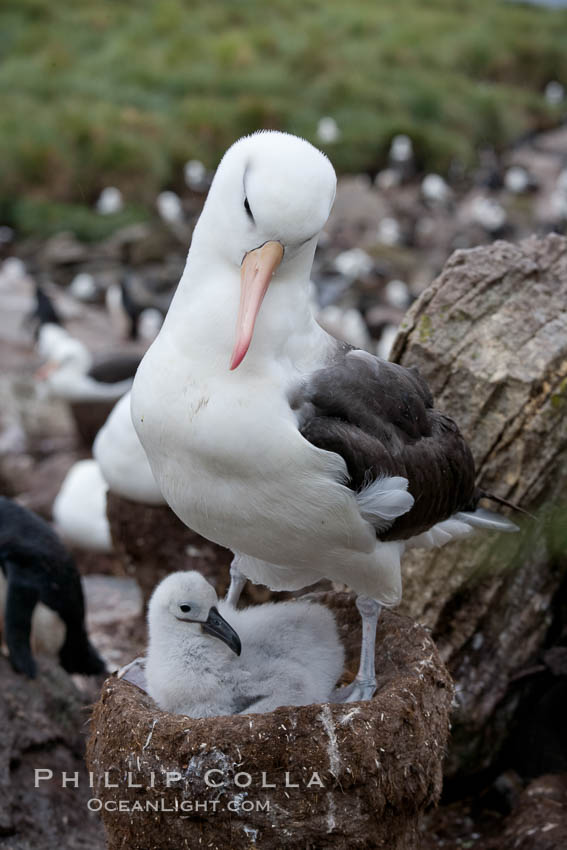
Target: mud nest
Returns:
[89, 418]
[318, 776]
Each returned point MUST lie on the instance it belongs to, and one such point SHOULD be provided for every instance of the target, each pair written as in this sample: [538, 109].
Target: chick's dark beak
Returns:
[218, 627]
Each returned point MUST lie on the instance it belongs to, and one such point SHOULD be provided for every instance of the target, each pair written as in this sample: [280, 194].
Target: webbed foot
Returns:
[359, 690]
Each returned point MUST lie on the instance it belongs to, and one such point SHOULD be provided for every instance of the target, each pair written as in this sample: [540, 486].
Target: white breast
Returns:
[232, 464]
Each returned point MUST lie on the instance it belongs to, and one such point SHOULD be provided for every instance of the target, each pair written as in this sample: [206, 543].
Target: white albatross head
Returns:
[186, 601]
[64, 356]
[269, 200]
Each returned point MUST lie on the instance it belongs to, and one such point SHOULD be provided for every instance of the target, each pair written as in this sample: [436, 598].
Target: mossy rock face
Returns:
[333, 776]
[490, 338]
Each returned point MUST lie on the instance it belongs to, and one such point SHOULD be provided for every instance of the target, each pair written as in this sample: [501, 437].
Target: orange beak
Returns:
[256, 272]
[46, 370]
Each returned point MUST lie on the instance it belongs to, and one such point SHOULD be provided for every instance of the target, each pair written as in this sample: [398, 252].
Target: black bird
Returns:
[43, 313]
[129, 302]
[38, 568]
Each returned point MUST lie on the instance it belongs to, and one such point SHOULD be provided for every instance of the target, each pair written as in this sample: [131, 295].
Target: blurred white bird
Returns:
[436, 190]
[122, 460]
[58, 349]
[79, 509]
[169, 207]
[517, 180]
[401, 148]
[554, 93]
[110, 201]
[195, 175]
[12, 270]
[348, 325]
[388, 178]
[149, 323]
[558, 199]
[386, 341]
[401, 157]
[397, 294]
[561, 182]
[83, 287]
[203, 665]
[488, 213]
[558, 204]
[328, 130]
[89, 388]
[354, 263]
[13, 438]
[6, 234]
[68, 372]
[389, 232]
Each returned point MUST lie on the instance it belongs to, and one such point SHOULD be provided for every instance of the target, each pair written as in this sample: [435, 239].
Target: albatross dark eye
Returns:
[185, 608]
[248, 210]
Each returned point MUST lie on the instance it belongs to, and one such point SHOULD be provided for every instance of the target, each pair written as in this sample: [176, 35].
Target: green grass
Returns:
[42, 217]
[123, 92]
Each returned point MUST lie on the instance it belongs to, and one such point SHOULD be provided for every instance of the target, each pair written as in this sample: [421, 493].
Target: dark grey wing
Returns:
[243, 702]
[111, 370]
[380, 418]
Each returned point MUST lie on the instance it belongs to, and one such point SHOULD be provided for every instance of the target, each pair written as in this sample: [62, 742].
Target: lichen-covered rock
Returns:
[490, 337]
[319, 776]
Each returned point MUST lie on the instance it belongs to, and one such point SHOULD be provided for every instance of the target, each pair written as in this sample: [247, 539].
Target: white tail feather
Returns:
[385, 499]
[460, 525]
[481, 518]
[440, 534]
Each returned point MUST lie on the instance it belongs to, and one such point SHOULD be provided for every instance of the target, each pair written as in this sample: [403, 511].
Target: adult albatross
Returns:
[313, 460]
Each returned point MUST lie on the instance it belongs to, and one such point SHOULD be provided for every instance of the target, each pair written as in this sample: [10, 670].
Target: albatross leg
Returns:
[364, 685]
[237, 582]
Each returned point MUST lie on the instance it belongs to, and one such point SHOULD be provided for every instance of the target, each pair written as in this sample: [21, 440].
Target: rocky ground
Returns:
[384, 244]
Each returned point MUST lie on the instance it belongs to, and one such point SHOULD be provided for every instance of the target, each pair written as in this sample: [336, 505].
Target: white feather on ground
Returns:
[291, 653]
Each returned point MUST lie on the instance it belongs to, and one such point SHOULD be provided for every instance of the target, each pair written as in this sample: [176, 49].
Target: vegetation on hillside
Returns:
[103, 92]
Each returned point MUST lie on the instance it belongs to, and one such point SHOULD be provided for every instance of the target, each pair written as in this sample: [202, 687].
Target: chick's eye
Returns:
[248, 210]
[185, 608]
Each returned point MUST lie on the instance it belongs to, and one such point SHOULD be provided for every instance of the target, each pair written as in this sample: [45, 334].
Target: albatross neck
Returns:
[202, 317]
